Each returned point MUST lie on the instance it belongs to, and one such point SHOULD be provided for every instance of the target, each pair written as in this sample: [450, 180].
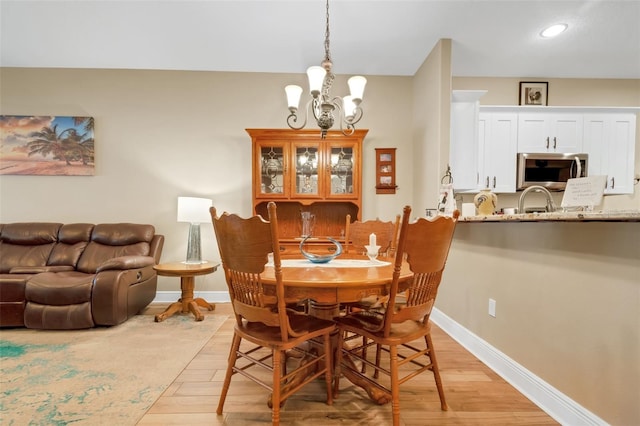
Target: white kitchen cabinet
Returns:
[463, 151]
[607, 134]
[610, 140]
[550, 132]
[497, 151]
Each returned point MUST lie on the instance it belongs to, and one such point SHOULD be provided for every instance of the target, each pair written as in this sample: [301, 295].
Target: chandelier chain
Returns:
[327, 52]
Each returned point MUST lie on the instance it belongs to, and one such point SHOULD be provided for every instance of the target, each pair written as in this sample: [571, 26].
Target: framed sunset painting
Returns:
[46, 145]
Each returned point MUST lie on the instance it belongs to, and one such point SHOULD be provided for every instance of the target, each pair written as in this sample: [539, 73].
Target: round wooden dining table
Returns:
[346, 279]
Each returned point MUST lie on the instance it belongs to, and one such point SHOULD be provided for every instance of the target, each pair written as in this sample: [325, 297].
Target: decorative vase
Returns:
[485, 202]
[308, 222]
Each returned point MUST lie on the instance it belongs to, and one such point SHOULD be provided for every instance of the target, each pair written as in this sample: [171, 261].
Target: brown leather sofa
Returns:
[74, 276]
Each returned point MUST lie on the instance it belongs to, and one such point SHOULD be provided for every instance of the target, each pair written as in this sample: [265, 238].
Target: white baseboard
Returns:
[209, 296]
[562, 408]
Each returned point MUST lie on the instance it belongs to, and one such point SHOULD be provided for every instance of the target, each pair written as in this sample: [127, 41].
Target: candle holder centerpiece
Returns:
[372, 247]
[372, 252]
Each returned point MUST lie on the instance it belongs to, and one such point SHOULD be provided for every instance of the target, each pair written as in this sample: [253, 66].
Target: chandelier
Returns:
[322, 105]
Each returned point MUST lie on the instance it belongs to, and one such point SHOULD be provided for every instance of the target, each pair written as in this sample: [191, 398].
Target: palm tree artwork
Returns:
[40, 145]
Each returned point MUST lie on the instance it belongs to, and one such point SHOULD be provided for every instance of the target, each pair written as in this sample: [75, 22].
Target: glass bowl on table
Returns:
[321, 258]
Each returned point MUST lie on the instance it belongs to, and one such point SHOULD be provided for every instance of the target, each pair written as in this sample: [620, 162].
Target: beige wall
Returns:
[567, 304]
[164, 134]
[431, 129]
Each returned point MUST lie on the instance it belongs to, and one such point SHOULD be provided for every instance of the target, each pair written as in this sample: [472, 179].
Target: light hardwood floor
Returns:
[475, 394]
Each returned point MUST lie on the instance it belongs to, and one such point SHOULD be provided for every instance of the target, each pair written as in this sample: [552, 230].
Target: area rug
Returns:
[107, 375]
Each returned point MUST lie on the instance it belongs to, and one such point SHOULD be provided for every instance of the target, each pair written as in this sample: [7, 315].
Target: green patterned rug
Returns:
[98, 376]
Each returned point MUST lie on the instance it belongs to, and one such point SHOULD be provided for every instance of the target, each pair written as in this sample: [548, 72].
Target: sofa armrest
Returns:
[126, 262]
[121, 293]
[39, 269]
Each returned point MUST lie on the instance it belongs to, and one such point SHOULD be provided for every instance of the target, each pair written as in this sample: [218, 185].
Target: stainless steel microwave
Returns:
[550, 170]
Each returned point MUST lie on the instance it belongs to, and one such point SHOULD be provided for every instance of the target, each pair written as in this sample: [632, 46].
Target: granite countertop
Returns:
[582, 216]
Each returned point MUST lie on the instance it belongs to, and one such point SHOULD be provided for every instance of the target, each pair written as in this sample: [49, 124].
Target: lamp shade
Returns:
[349, 107]
[316, 76]
[194, 210]
[293, 96]
[356, 87]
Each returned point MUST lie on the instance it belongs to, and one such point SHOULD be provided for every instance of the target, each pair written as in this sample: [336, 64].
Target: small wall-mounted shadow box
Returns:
[386, 171]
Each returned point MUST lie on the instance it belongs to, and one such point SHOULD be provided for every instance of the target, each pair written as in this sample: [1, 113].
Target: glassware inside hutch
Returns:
[306, 170]
[341, 170]
[272, 179]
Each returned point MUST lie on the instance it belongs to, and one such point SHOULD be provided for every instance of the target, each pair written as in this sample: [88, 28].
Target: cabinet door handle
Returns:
[487, 182]
[613, 182]
[547, 142]
[477, 178]
[554, 142]
[494, 182]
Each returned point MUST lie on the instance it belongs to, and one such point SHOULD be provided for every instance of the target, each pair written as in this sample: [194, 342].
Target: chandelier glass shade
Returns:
[322, 105]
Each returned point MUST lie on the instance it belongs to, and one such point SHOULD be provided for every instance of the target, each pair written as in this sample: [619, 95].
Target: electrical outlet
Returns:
[492, 308]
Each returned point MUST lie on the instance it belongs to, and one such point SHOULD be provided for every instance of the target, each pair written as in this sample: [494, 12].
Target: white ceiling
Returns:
[374, 37]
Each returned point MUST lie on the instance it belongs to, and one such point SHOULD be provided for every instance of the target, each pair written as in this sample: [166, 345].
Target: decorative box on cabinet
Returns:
[550, 132]
[610, 140]
[301, 172]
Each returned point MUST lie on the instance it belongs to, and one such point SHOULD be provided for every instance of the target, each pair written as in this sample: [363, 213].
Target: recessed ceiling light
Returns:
[554, 30]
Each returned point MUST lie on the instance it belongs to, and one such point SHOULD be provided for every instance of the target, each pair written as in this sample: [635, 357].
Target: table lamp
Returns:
[195, 211]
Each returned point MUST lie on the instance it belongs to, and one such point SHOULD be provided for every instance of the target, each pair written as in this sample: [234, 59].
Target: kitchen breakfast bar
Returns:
[566, 291]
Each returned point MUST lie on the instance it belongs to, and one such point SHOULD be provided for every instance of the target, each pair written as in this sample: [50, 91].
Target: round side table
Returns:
[187, 273]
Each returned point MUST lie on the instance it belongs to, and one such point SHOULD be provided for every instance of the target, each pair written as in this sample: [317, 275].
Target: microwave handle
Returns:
[578, 167]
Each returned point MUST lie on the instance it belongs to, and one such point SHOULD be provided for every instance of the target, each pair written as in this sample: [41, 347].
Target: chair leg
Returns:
[338, 364]
[277, 382]
[378, 355]
[364, 355]
[328, 363]
[395, 391]
[233, 356]
[436, 372]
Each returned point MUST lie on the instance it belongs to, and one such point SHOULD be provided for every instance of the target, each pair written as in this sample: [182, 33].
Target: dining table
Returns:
[347, 279]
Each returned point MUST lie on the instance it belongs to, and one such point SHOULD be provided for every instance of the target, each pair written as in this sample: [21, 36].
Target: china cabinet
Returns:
[302, 173]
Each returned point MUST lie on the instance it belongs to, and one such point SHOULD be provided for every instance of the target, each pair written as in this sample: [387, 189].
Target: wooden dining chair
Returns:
[271, 331]
[356, 235]
[398, 328]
